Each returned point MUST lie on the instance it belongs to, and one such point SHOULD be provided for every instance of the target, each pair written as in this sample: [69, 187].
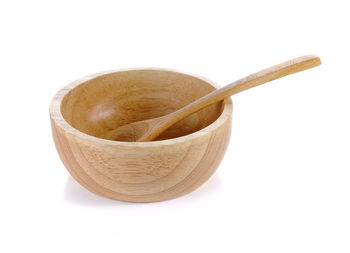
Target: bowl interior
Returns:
[115, 99]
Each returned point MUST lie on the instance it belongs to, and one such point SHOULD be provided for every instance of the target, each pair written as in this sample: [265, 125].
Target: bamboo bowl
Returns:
[178, 162]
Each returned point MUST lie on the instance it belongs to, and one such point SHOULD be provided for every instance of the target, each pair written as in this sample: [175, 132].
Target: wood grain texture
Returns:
[179, 161]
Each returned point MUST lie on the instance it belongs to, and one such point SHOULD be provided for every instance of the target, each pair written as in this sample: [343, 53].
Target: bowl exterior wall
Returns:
[143, 173]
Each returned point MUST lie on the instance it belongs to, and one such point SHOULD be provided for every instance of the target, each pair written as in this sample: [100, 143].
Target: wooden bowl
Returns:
[178, 162]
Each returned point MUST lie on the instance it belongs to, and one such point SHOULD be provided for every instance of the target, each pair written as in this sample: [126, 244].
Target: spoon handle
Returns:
[263, 76]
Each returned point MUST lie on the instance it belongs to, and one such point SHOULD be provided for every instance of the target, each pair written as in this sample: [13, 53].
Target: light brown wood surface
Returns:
[150, 129]
[180, 160]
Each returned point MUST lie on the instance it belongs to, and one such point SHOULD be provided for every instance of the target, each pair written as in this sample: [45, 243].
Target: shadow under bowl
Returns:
[176, 163]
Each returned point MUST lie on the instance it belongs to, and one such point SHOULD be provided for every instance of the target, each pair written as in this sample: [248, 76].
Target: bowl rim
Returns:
[57, 117]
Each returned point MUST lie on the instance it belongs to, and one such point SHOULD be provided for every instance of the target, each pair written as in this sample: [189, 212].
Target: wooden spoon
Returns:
[150, 129]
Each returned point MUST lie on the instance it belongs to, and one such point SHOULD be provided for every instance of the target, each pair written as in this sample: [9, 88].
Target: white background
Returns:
[284, 184]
